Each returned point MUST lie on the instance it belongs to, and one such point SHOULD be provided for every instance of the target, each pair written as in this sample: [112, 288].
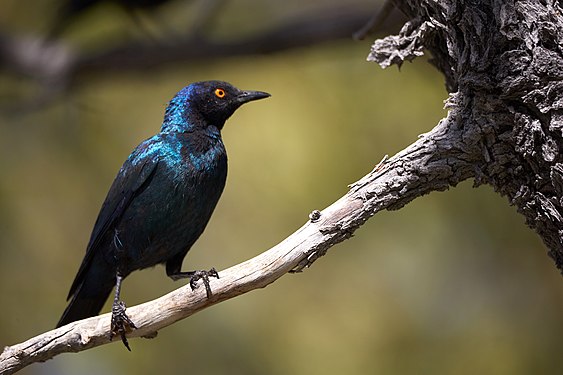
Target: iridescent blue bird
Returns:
[160, 201]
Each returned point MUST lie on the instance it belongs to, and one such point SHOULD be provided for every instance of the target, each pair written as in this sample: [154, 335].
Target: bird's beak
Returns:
[248, 96]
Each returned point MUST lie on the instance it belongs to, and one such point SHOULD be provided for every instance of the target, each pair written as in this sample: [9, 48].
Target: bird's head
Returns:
[204, 104]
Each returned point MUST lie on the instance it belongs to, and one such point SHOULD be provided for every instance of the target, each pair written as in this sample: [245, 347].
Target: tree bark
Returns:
[502, 63]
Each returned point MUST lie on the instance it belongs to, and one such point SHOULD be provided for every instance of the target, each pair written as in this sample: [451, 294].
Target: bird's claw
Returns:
[120, 323]
[204, 276]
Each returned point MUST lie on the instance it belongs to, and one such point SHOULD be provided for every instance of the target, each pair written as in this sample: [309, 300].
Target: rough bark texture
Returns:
[503, 63]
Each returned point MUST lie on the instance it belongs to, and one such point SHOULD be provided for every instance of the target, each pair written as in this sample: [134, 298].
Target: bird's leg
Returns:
[204, 276]
[120, 322]
[195, 276]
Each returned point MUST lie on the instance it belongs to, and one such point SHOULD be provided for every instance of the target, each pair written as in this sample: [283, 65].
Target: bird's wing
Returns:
[134, 174]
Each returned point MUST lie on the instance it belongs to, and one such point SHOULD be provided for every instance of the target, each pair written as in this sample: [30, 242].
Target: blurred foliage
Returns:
[452, 283]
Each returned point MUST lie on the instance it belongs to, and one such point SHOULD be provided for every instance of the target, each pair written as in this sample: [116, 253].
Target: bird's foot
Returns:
[120, 322]
[204, 276]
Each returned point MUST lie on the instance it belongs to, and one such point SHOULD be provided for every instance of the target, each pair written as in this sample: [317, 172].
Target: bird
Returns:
[159, 203]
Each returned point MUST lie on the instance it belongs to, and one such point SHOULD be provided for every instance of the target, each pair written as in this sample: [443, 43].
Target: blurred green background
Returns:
[452, 283]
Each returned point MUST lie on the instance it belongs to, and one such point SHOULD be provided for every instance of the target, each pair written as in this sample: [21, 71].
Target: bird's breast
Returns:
[196, 174]
[173, 208]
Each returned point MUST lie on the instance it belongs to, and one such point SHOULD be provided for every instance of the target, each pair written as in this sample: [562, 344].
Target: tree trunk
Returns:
[503, 64]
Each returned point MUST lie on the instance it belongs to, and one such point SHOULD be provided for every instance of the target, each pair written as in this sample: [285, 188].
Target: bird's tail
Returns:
[88, 299]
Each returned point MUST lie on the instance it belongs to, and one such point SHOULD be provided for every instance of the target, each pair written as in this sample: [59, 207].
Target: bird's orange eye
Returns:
[220, 93]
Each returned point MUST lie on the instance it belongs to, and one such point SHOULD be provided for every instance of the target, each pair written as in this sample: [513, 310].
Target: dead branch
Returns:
[409, 174]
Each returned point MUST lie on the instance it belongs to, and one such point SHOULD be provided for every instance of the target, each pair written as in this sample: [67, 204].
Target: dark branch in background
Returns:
[57, 67]
[71, 10]
[376, 21]
[301, 32]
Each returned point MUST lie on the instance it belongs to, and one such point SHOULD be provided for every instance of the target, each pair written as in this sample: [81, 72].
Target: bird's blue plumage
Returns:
[163, 196]
[177, 116]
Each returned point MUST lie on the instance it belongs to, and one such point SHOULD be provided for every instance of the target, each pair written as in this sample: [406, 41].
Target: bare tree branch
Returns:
[411, 173]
